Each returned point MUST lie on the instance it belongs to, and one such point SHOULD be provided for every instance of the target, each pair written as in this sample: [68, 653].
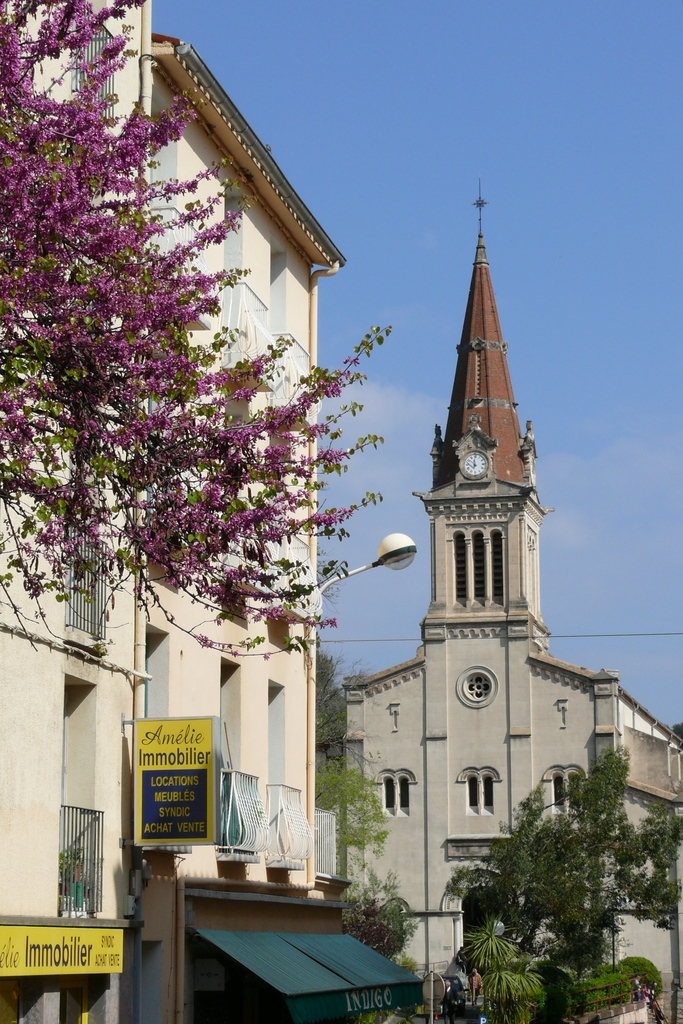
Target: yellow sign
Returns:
[177, 766]
[28, 950]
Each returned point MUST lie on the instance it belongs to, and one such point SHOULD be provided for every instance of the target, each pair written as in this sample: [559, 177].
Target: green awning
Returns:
[320, 976]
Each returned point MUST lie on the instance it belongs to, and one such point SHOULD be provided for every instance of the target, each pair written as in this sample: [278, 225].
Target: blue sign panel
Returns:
[174, 805]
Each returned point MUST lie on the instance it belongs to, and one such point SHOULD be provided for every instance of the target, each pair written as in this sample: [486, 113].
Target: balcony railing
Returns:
[293, 365]
[246, 313]
[325, 842]
[244, 825]
[80, 861]
[291, 842]
[174, 234]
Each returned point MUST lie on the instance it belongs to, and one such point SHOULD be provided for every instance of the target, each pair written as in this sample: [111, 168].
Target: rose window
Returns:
[478, 687]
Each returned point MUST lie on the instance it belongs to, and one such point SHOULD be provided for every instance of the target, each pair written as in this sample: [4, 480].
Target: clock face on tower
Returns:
[475, 464]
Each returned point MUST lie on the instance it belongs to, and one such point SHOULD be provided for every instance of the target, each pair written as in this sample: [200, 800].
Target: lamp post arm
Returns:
[338, 576]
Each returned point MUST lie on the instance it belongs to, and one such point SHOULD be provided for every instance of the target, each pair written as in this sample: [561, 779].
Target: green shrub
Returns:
[599, 991]
[644, 968]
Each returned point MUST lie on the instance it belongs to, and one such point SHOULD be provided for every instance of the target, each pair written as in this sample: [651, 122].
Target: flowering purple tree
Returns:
[120, 448]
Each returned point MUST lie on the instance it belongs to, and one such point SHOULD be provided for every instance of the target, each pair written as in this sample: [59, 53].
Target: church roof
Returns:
[482, 381]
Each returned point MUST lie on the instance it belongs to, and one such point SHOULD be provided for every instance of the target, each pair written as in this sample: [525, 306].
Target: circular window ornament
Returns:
[477, 687]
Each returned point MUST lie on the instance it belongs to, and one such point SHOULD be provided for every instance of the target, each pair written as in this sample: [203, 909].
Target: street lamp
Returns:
[396, 551]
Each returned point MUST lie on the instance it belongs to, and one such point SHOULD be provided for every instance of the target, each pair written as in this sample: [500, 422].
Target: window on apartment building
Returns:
[497, 567]
[90, 54]
[479, 566]
[276, 734]
[231, 713]
[460, 567]
[156, 666]
[86, 608]
[79, 744]
[278, 291]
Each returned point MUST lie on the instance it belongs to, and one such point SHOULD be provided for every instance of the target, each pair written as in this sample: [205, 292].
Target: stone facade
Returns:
[484, 712]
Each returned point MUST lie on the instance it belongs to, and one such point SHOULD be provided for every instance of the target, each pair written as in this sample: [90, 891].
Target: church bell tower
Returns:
[484, 512]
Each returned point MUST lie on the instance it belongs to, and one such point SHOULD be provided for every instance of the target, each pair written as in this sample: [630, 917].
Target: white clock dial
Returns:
[475, 464]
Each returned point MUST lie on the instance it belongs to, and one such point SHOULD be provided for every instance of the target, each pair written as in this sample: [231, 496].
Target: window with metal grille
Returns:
[89, 55]
[460, 567]
[479, 566]
[87, 605]
[497, 567]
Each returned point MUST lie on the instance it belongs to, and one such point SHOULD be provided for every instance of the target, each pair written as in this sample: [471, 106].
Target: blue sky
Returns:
[384, 116]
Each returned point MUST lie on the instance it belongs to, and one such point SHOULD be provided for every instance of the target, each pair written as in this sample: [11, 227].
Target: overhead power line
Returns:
[553, 636]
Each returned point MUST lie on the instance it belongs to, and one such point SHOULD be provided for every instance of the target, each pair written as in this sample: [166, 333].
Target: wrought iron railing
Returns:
[244, 825]
[88, 593]
[291, 841]
[325, 842]
[80, 861]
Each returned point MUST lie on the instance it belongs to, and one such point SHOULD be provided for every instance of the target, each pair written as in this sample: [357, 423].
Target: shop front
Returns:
[292, 978]
[59, 973]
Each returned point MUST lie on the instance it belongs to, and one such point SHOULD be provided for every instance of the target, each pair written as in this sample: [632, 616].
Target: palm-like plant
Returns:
[511, 983]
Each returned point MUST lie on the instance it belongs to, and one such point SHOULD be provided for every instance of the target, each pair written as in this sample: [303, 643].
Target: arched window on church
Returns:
[558, 792]
[497, 567]
[460, 567]
[404, 795]
[488, 794]
[473, 794]
[479, 566]
[390, 795]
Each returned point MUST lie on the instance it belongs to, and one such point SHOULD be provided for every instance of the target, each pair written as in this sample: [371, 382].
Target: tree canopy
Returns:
[343, 786]
[129, 447]
[562, 881]
[379, 917]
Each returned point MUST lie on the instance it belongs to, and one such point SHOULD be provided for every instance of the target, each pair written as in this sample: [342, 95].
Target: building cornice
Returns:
[188, 72]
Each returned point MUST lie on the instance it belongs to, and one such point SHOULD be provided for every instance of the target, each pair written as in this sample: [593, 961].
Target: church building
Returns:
[460, 734]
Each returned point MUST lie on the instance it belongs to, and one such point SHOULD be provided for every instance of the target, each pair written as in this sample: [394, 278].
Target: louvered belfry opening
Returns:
[479, 566]
[497, 568]
[460, 568]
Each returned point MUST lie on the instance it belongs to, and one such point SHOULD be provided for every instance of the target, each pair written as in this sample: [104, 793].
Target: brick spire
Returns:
[482, 381]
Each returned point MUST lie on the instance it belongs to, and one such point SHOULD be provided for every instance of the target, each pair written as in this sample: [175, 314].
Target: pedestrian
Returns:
[453, 1000]
[461, 960]
[475, 985]
[637, 990]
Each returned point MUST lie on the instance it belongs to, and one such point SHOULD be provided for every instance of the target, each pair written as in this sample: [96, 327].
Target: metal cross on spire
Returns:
[480, 204]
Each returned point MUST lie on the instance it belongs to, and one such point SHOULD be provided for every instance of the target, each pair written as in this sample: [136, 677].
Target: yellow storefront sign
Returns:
[28, 950]
[177, 764]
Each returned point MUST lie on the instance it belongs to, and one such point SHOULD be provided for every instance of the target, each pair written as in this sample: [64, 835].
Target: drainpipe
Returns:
[180, 950]
[146, 57]
[310, 633]
[313, 308]
[139, 618]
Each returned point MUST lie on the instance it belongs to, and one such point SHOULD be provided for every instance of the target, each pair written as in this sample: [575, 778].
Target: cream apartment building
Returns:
[460, 734]
[94, 927]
